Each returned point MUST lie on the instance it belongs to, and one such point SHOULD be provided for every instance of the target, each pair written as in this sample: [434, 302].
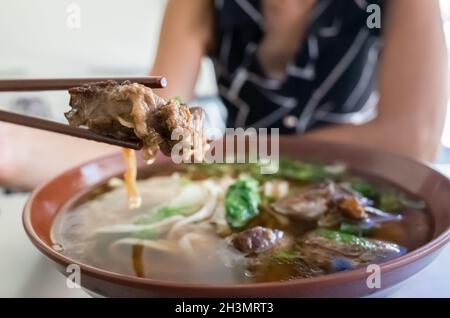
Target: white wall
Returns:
[113, 36]
[116, 37]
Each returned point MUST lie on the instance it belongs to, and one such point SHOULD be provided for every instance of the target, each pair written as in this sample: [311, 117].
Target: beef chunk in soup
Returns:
[336, 251]
[256, 240]
[347, 203]
[131, 111]
[313, 202]
[319, 252]
[308, 204]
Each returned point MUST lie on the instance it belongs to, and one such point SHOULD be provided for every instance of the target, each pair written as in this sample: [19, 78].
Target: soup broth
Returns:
[227, 224]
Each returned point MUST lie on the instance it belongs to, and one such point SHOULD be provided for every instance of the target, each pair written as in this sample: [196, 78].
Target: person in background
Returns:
[312, 68]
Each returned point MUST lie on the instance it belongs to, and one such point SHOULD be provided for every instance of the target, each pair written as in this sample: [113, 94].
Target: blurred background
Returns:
[38, 41]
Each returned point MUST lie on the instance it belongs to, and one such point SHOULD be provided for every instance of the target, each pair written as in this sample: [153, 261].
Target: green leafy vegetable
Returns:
[344, 238]
[385, 199]
[241, 202]
[357, 229]
[164, 213]
[389, 201]
[284, 256]
[301, 171]
[366, 189]
[288, 168]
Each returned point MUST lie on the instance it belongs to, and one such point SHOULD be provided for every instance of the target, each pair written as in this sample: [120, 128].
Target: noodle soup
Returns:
[226, 224]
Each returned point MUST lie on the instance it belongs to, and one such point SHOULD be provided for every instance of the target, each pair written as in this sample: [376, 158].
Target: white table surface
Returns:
[24, 272]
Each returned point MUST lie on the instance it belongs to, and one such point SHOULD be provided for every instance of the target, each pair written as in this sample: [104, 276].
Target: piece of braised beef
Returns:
[336, 251]
[313, 202]
[348, 204]
[130, 111]
[308, 204]
[257, 240]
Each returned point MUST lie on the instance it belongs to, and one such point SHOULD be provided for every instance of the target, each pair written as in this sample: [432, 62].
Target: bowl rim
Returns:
[123, 279]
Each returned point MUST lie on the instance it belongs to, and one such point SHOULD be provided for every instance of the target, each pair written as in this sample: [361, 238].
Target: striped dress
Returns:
[330, 80]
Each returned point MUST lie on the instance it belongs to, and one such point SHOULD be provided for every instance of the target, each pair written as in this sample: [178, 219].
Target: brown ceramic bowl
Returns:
[417, 178]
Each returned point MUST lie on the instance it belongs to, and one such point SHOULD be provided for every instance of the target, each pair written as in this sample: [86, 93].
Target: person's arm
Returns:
[412, 85]
[29, 157]
[185, 37]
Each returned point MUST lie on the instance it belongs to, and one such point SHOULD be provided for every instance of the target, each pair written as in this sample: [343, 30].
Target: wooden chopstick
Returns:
[51, 84]
[48, 125]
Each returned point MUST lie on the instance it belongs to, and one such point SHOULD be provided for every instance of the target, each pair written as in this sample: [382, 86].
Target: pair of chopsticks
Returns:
[21, 85]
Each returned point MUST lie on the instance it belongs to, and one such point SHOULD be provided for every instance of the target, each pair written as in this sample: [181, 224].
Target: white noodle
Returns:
[185, 243]
[205, 212]
[163, 225]
[159, 245]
